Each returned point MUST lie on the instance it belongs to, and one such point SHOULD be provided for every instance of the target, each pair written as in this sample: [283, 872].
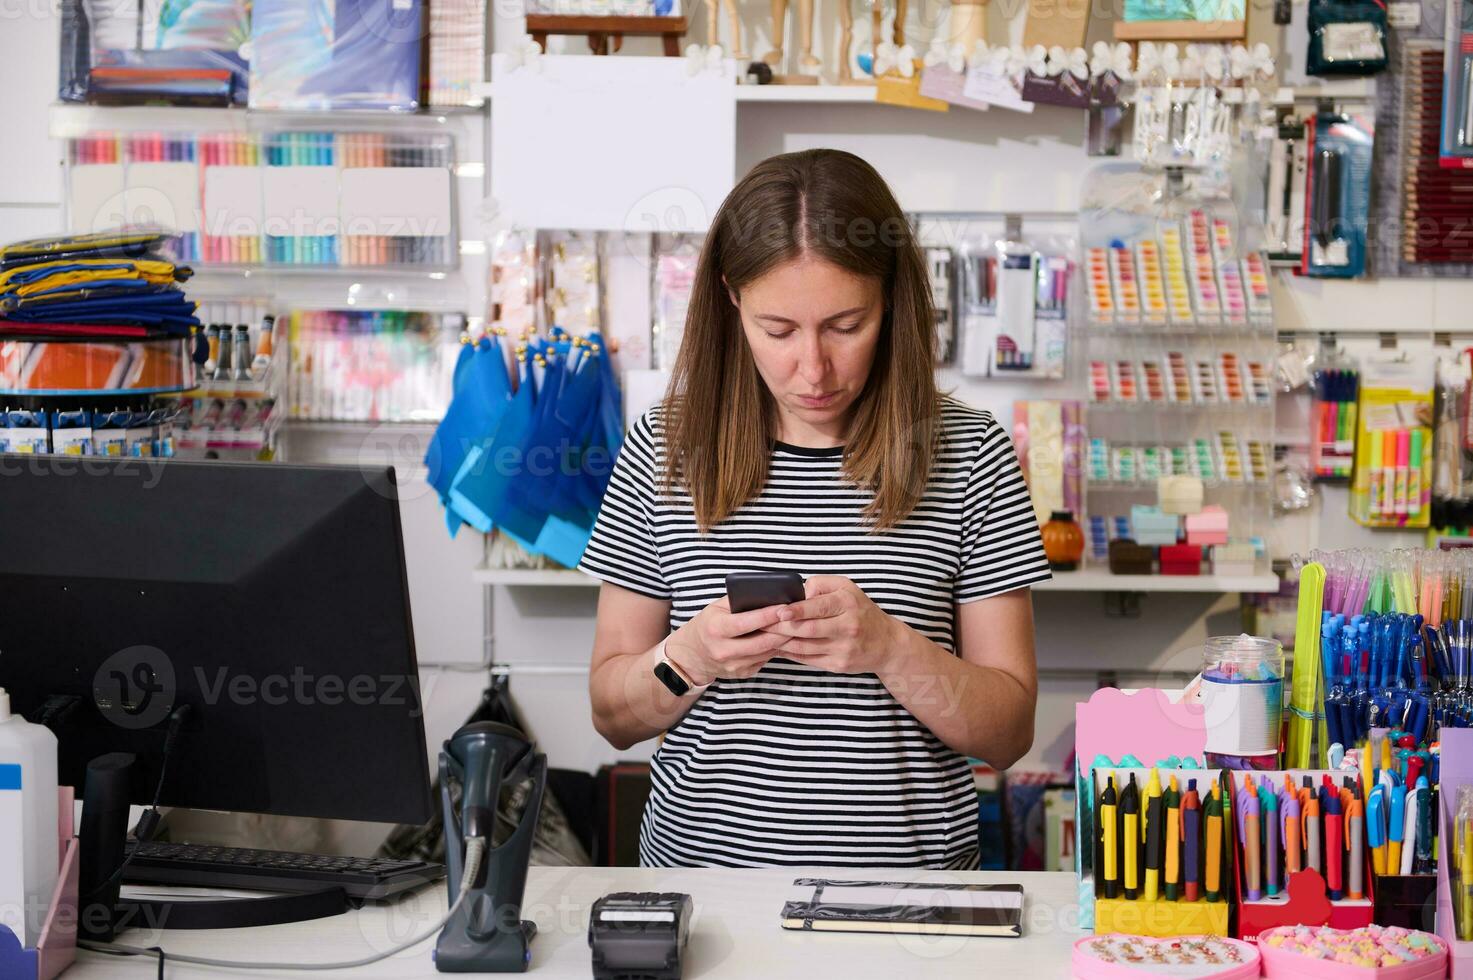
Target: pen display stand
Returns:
[1301, 897]
[233, 414]
[1204, 858]
[56, 949]
[1456, 769]
[1178, 337]
[313, 194]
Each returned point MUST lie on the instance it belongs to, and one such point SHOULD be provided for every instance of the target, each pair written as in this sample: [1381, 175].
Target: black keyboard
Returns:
[208, 865]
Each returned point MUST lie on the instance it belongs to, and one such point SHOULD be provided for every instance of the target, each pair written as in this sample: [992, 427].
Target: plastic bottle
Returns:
[28, 823]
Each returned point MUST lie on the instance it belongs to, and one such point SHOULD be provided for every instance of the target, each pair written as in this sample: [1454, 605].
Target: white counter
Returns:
[736, 933]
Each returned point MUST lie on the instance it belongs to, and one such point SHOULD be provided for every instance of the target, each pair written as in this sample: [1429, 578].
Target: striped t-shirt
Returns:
[797, 765]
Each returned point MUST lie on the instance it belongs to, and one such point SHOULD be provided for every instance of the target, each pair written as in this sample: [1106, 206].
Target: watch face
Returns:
[670, 678]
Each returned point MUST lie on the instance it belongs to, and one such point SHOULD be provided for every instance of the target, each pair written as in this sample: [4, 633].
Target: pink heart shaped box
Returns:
[1090, 963]
[1290, 965]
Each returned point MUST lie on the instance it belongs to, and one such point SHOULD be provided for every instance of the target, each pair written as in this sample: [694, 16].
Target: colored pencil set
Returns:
[1161, 842]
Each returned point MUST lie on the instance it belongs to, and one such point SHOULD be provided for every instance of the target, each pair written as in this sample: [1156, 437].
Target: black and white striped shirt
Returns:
[796, 765]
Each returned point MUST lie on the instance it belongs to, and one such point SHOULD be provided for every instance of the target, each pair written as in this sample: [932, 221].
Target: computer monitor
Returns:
[272, 599]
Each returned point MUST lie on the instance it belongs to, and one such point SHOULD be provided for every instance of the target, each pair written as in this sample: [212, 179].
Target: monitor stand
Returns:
[230, 913]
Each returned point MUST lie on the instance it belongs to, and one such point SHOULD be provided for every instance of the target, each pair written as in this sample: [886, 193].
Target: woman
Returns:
[803, 431]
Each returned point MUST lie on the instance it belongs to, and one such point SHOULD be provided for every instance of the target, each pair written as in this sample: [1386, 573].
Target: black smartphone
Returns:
[754, 590]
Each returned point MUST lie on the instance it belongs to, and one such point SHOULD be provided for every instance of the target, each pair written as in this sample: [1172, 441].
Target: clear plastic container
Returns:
[28, 828]
[1243, 691]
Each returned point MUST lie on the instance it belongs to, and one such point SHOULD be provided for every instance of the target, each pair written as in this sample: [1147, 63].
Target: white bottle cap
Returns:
[4, 705]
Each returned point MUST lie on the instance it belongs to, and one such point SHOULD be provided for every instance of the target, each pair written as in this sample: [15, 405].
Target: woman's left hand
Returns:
[837, 628]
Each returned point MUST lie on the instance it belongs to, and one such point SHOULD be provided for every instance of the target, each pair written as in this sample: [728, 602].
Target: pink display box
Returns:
[1093, 955]
[1455, 769]
[1208, 527]
[1281, 964]
[57, 948]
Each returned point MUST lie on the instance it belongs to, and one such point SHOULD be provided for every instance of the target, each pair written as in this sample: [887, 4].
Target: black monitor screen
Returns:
[271, 599]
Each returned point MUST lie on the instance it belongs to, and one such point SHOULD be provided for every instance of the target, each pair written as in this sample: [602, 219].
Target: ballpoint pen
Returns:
[1423, 863]
[1269, 804]
[1153, 836]
[1171, 803]
[1334, 845]
[1355, 842]
[1191, 836]
[1312, 829]
[1290, 818]
[1251, 835]
[1130, 837]
[1395, 828]
[1212, 814]
[1463, 843]
[1110, 839]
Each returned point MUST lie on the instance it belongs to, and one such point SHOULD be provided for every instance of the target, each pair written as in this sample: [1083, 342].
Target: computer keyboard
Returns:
[157, 863]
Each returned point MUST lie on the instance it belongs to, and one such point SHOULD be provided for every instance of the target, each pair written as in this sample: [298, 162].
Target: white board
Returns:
[611, 143]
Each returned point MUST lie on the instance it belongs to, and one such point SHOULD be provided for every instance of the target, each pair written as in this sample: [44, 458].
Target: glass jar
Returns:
[1243, 692]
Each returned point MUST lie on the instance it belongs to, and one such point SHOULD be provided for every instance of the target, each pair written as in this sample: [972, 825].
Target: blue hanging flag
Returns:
[480, 396]
[480, 485]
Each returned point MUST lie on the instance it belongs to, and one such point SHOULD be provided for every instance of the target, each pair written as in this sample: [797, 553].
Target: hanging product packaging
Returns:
[1337, 196]
[1456, 148]
[1012, 298]
[1393, 459]
[1452, 455]
[1346, 37]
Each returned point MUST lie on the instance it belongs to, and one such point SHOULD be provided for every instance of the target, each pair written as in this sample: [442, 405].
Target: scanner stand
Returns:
[487, 933]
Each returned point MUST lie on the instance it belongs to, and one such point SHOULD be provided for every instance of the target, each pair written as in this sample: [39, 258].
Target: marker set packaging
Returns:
[1337, 196]
[1012, 302]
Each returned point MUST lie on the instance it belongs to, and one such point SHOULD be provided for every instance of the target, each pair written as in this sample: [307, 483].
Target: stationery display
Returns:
[137, 52]
[1337, 194]
[350, 54]
[1392, 486]
[1457, 93]
[1049, 437]
[371, 365]
[281, 197]
[1452, 443]
[458, 30]
[1012, 306]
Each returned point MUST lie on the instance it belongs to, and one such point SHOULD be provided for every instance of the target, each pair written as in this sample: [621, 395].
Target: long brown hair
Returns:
[720, 418]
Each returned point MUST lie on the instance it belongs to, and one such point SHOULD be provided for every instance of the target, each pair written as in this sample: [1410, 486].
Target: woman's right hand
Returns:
[720, 643]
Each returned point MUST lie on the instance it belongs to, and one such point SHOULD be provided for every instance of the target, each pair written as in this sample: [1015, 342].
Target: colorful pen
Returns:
[1130, 837]
[1154, 838]
[1110, 838]
[1334, 844]
[1191, 835]
[1212, 813]
[1171, 802]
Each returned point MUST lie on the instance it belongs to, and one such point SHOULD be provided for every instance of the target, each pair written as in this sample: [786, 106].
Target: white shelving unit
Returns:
[1088, 580]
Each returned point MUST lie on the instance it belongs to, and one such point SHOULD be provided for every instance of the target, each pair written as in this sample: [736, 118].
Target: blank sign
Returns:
[611, 143]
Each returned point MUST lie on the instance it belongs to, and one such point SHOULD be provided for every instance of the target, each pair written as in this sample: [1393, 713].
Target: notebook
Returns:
[928, 908]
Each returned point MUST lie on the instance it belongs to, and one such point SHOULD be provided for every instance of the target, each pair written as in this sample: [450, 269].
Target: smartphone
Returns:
[754, 590]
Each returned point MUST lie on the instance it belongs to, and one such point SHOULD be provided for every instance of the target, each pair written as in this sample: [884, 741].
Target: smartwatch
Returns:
[669, 674]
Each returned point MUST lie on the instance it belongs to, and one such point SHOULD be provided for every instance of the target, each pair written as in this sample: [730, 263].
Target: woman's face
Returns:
[813, 328]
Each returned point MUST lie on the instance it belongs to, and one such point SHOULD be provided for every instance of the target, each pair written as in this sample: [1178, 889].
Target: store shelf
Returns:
[821, 93]
[69, 120]
[805, 93]
[1089, 580]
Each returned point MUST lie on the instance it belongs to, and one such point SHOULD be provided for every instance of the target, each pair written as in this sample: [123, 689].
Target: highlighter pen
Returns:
[1376, 828]
[1130, 837]
[1154, 838]
[1355, 843]
[1395, 827]
[1415, 800]
[1191, 838]
[1334, 846]
[1269, 804]
[1251, 833]
[1289, 816]
[1171, 803]
[1110, 839]
[1212, 813]
[1464, 845]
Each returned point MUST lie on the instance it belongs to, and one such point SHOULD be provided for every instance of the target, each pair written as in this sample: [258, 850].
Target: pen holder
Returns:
[1117, 827]
[1303, 896]
[1456, 770]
